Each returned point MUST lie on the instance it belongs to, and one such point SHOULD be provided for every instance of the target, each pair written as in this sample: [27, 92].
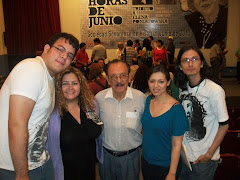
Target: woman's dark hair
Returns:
[180, 79]
[151, 37]
[140, 80]
[129, 43]
[147, 44]
[160, 68]
[163, 69]
[97, 40]
[137, 42]
[94, 71]
[82, 45]
[160, 41]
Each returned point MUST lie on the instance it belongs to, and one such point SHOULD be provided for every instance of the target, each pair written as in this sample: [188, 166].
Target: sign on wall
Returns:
[114, 21]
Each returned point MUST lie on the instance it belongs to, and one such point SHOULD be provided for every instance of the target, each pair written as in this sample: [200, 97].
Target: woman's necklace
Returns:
[206, 29]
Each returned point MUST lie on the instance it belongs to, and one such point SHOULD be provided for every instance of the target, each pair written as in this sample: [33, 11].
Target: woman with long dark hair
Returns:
[164, 122]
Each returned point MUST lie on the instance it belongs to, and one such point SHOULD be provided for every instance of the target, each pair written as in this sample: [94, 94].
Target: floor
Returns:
[231, 86]
[232, 90]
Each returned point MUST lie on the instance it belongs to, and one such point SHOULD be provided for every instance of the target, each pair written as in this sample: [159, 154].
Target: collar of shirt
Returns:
[129, 94]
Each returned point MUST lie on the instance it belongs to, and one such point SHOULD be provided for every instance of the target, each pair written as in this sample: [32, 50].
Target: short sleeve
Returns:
[93, 50]
[180, 123]
[218, 105]
[27, 80]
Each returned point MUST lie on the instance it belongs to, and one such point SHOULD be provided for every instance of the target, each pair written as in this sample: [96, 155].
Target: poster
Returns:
[114, 21]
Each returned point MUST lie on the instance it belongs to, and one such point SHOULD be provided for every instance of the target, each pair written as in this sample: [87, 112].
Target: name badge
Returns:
[131, 114]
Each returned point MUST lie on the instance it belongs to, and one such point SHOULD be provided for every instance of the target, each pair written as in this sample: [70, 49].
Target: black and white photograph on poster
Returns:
[166, 1]
[208, 20]
[141, 2]
[115, 22]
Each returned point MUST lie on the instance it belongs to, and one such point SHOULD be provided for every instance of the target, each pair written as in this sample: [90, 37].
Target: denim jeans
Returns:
[200, 171]
[44, 172]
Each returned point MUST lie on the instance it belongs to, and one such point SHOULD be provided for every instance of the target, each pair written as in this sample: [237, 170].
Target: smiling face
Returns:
[70, 87]
[205, 6]
[58, 57]
[158, 84]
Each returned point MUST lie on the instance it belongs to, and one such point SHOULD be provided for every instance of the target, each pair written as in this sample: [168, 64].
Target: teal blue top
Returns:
[158, 132]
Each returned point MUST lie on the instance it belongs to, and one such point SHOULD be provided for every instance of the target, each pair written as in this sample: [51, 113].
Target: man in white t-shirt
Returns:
[27, 99]
[205, 107]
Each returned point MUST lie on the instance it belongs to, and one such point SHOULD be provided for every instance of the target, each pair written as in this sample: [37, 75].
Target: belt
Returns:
[120, 153]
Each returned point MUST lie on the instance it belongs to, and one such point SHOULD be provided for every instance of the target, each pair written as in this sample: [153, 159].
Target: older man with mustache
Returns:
[121, 108]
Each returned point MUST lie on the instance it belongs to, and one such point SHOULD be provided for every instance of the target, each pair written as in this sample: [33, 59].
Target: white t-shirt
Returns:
[205, 107]
[31, 79]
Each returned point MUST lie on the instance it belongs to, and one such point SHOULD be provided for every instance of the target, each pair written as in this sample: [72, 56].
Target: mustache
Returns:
[119, 84]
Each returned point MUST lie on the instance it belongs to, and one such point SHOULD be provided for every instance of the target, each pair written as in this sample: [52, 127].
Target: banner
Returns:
[114, 21]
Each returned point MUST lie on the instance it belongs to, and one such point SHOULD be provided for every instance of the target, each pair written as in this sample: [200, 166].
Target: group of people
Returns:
[148, 53]
[43, 140]
[218, 60]
[93, 69]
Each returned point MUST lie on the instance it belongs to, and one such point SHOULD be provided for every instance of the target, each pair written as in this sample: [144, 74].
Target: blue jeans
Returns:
[44, 172]
[200, 171]
[120, 168]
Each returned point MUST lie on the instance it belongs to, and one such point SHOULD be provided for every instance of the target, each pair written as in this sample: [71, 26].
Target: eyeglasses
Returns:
[187, 60]
[123, 77]
[63, 50]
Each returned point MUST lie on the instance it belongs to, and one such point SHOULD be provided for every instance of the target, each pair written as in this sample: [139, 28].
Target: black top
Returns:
[78, 147]
[218, 30]
[171, 49]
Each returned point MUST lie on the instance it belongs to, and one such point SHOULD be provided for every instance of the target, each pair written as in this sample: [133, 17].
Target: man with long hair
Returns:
[205, 107]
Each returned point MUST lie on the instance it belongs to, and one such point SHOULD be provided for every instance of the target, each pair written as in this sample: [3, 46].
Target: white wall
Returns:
[233, 33]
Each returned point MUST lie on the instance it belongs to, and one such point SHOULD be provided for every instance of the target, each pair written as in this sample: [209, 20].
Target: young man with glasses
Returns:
[205, 107]
[27, 99]
[121, 108]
